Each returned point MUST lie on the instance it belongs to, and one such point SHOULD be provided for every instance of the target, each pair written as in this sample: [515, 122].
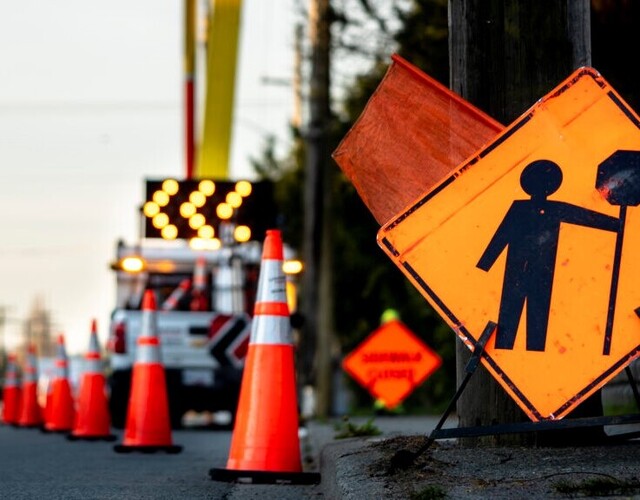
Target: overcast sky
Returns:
[90, 105]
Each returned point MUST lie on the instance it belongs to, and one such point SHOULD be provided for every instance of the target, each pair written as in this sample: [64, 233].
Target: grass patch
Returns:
[348, 429]
[629, 408]
[431, 492]
[597, 487]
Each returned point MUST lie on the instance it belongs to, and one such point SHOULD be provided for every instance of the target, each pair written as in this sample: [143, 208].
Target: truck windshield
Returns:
[223, 291]
[166, 283]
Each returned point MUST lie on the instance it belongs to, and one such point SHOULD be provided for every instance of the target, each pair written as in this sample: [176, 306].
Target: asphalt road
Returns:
[34, 465]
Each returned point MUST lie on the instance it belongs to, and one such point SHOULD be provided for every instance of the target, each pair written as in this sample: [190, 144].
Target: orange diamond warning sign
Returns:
[391, 362]
[539, 233]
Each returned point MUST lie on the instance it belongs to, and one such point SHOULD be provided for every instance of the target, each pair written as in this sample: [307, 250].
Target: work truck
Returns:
[204, 302]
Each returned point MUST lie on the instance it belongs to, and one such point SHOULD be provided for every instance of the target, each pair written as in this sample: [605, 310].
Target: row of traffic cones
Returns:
[265, 445]
[22, 409]
[148, 426]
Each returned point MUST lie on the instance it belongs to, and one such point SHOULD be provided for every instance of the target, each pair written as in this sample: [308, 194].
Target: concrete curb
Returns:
[344, 468]
[345, 464]
[348, 469]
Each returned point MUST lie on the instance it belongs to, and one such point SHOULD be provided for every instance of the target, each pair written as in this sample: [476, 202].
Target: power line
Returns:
[87, 106]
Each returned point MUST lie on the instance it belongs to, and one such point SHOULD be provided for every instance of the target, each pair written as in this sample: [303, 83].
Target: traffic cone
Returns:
[60, 412]
[92, 421]
[46, 411]
[30, 411]
[199, 292]
[229, 278]
[11, 392]
[265, 447]
[200, 274]
[148, 426]
[176, 295]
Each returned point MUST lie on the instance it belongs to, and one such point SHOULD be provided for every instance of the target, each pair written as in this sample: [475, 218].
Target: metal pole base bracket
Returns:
[108, 437]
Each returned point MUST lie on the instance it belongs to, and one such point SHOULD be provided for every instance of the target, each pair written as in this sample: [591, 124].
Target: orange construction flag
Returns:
[413, 133]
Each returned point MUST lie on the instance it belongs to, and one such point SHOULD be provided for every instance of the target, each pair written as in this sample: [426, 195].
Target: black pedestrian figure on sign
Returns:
[531, 231]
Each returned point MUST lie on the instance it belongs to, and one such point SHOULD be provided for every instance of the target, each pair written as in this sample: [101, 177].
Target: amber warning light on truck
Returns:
[131, 264]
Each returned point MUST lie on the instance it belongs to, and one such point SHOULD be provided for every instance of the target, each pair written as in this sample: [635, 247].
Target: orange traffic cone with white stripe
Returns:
[92, 421]
[148, 427]
[265, 447]
[30, 410]
[176, 295]
[11, 392]
[60, 414]
[200, 274]
[199, 292]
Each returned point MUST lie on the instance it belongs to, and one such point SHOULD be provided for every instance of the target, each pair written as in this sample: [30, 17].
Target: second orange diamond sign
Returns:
[539, 233]
[391, 362]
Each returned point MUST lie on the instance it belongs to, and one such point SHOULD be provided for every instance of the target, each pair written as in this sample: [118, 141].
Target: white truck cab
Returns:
[205, 300]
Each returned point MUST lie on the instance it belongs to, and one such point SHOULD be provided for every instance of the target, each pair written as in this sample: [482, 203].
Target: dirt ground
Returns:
[447, 470]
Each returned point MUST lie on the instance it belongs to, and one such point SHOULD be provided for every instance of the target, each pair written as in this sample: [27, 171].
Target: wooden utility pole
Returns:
[296, 118]
[504, 56]
[317, 303]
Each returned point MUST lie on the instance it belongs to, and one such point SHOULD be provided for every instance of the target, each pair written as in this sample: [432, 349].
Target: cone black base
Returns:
[264, 477]
[54, 431]
[123, 448]
[109, 437]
